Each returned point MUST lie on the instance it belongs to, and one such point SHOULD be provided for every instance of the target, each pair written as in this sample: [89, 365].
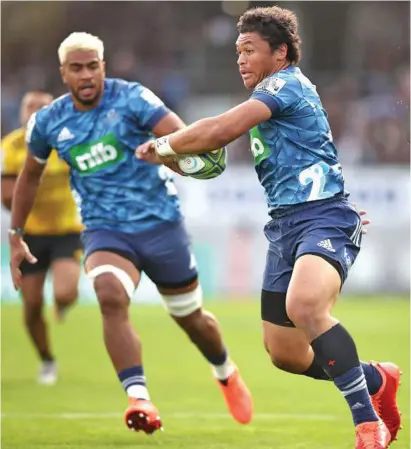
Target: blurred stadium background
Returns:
[358, 55]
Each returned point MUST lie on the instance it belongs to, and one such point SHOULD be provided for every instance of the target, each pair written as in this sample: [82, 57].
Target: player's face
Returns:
[256, 60]
[84, 74]
[32, 102]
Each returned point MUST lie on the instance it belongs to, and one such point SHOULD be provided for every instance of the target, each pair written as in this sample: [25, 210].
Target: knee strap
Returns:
[121, 275]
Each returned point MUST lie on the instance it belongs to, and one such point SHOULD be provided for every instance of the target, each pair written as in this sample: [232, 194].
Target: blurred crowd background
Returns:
[357, 53]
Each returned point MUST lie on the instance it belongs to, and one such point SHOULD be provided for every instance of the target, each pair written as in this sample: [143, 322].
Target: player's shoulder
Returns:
[124, 90]
[56, 110]
[288, 78]
[60, 106]
[118, 86]
[14, 141]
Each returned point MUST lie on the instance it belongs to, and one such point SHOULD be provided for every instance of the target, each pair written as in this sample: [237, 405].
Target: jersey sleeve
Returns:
[146, 107]
[277, 93]
[36, 136]
[9, 163]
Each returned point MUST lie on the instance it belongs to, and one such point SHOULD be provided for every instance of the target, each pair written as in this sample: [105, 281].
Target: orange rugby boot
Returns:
[238, 398]
[385, 400]
[372, 435]
[142, 415]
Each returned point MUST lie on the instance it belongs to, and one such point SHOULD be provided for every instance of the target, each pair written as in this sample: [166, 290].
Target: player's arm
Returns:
[269, 99]
[215, 132]
[25, 193]
[150, 112]
[211, 133]
[169, 124]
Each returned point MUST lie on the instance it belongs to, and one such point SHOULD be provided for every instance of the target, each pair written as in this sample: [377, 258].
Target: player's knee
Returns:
[284, 358]
[114, 288]
[110, 294]
[284, 364]
[66, 295]
[305, 308]
[185, 307]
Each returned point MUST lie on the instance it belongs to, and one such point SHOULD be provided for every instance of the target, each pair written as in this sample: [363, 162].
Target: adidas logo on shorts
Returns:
[327, 245]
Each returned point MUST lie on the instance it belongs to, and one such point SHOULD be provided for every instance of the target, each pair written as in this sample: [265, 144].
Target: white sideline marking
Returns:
[114, 415]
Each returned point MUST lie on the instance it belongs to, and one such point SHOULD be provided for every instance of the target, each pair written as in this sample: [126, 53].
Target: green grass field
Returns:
[85, 409]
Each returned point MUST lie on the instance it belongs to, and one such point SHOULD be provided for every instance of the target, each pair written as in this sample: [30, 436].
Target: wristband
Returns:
[16, 231]
[163, 148]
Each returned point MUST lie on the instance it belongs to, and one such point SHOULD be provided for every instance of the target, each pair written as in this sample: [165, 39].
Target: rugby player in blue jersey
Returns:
[131, 213]
[314, 235]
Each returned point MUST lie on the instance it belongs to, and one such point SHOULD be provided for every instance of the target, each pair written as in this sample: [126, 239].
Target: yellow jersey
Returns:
[54, 211]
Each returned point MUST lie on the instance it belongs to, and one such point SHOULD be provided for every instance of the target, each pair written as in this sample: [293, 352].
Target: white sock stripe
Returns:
[361, 386]
[355, 382]
[128, 382]
[134, 378]
[133, 381]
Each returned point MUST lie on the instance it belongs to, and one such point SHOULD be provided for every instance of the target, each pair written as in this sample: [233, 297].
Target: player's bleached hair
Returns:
[80, 41]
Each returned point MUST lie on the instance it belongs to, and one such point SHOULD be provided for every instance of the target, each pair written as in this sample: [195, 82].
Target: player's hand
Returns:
[147, 152]
[19, 251]
[364, 221]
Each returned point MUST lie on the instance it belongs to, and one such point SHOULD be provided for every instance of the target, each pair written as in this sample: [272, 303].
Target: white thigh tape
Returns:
[185, 303]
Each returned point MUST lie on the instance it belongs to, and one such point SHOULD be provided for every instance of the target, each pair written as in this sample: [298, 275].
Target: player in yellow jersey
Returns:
[52, 232]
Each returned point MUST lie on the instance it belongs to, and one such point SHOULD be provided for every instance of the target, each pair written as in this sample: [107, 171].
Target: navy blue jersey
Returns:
[295, 157]
[113, 189]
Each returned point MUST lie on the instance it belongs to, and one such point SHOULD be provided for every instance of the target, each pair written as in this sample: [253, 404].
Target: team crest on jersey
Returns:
[271, 86]
[111, 115]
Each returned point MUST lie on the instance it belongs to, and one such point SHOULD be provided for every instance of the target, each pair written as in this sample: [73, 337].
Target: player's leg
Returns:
[111, 265]
[289, 348]
[290, 351]
[314, 288]
[65, 266]
[170, 263]
[282, 236]
[204, 331]
[328, 238]
[107, 270]
[200, 326]
[33, 306]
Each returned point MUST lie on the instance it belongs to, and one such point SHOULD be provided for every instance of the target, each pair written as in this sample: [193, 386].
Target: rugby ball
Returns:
[205, 165]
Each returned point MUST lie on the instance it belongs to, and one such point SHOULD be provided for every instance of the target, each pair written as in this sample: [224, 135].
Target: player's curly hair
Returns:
[275, 25]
